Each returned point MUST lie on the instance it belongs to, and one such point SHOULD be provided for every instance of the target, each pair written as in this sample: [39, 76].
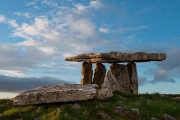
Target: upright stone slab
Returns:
[86, 73]
[133, 77]
[110, 82]
[121, 74]
[99, 74]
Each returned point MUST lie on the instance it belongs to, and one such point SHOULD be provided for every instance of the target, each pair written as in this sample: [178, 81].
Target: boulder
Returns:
[133, 78]
[99, 74]
[58, 93]
[86, 73]
[121, 73]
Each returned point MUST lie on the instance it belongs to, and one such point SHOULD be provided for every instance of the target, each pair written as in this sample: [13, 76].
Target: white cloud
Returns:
[10, 22]
[104, 30]
[49, 37]
[2, 18]
[13, 73]
[95, 4]
[31, 3]
[25, 14]
[48, 50]
[50, 2]
[127, 29]
[79, 8]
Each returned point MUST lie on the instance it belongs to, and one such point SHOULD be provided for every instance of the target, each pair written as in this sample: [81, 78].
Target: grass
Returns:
[148, 105]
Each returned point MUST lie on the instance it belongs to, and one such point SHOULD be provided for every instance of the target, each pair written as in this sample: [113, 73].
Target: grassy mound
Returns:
[119, 107]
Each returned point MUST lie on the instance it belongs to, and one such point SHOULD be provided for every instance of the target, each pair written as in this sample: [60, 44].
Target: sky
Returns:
[36, 36]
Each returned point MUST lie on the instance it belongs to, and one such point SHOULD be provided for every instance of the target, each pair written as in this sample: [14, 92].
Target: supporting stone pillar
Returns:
[121, 73]
[99, 74]
[133, 77]
[86, 73]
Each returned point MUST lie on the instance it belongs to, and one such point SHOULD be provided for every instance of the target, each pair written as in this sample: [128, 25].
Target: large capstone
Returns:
[99, 74]
[112, 57]
[86, 73]
[133, 78]
[58, 93]
[121, 73]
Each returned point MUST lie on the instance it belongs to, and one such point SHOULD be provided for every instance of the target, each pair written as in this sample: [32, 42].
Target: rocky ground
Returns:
[119, 107]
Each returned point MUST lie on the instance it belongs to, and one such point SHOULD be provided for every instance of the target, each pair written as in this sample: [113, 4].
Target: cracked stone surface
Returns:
[58, 93]
[112, 57]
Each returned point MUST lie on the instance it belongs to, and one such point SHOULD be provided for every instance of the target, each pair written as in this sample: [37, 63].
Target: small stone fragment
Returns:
[102, 114]
[153, 118]
[38, 118]
[119, 109]
[168, 117]
[76, 106]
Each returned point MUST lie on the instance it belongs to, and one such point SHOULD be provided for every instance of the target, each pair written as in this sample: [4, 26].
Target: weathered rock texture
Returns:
[103, 94]
[110, 82]
[113, 57]
[58, 93]
[86, 73]
[133, 77]
[99, 74]
[121, 73]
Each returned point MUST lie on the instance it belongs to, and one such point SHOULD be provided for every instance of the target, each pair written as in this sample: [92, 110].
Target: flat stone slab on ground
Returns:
[58, 93]
[112, 57]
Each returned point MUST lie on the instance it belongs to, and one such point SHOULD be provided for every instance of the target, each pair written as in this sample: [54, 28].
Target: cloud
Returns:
[167, 70]
[25, 14]
[127, 29]
[160, 75]
[142, 81]
[104, 30]
[10, 22]
[49, 37]
[2, 18]
[95, 3]
[50, 2]
[16, 85]
[31, 3]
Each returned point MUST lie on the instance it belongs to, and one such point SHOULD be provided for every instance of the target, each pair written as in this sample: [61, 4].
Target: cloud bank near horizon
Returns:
[17, 85]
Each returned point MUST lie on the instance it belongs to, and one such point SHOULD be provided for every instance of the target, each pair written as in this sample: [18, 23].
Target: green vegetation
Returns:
[118, 107]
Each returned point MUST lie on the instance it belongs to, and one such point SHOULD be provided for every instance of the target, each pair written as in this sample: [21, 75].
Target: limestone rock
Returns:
[99, 74]
[133, 77]
[102, 114]
[109, 82]
[168, 117]
[86, 73]
[103, 93]
[58, 93]
[119, 109]
[112, 57]
[121, 73]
